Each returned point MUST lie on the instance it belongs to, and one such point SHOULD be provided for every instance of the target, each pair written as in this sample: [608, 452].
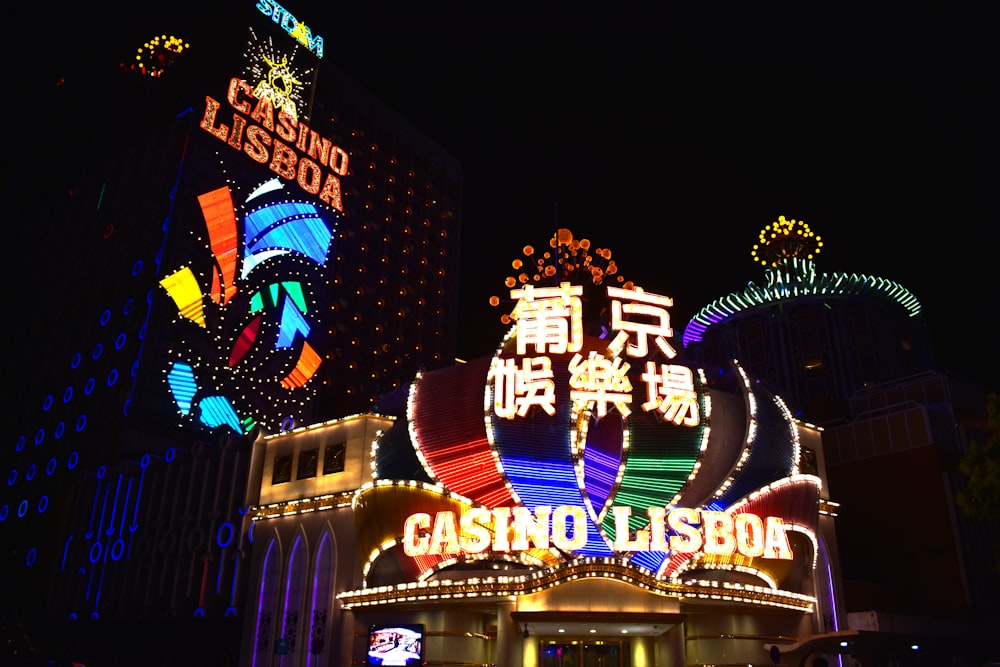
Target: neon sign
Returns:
[549, 321]
[505, 529]
[585, 435]
[284, 159]
[278, 86]
[295, 28]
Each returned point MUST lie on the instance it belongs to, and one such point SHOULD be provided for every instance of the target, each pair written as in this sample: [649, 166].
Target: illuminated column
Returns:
[508, 646]
[529, 652]
[643, 651]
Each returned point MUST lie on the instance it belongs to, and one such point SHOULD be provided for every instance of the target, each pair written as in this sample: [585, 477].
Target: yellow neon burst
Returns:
[785, 239]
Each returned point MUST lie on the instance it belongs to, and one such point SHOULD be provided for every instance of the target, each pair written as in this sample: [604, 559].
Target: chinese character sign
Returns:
[549, 323]
[587, 434]
[585, 420]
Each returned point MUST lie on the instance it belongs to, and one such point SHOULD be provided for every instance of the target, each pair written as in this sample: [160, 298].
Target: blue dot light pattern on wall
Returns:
[67, 410]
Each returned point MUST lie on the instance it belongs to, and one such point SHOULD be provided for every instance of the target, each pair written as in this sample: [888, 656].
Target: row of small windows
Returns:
[333, 462]
[394, 161]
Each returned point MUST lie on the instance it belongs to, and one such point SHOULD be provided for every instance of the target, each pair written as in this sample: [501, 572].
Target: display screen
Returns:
[401, 644]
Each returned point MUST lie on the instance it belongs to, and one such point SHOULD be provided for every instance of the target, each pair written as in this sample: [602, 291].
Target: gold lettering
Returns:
[530, 527]
[208, 120]
[257, 138]
[688, 538]
[415, 540]
[444, 535]
[284, 161]
[776, 541]
[559, 528]
[749, 535]
[237, 86]
[718, 528]
[475, 526]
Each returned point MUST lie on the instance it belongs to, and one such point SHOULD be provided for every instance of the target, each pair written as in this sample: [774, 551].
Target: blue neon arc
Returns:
[548, 481]
[791, 279]
[284, 228]
[763, 462]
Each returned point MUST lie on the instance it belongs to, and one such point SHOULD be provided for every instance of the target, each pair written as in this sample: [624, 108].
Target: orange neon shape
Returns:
[304, 369]
[220, 220]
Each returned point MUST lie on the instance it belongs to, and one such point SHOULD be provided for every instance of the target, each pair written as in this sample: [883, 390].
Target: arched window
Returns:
[295, 584]
[322, 594]
[265, 604]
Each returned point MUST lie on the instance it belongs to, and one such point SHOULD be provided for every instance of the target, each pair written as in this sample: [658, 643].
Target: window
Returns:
[307, 464]
[333, 458]
[282, 471]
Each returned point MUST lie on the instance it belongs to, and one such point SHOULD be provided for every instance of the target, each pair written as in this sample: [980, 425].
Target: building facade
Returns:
[233, 238]
[851, 352]
[570, 500]
[813, 337]
[913, 432]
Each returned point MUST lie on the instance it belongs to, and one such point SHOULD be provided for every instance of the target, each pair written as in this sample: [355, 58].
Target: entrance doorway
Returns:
[578, 653]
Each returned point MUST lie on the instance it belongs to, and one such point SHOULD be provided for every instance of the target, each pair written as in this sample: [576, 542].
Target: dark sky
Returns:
[672, 136]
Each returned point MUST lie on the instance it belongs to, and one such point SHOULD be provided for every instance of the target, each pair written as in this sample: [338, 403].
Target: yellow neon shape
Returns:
[182, 287]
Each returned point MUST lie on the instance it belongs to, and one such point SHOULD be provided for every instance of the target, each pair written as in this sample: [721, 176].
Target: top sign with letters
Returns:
[295, 28]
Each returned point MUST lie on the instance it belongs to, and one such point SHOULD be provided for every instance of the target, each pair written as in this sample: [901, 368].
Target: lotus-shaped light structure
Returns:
[616, 428]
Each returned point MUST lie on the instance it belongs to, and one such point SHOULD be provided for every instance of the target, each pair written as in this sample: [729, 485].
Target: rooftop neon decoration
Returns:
[155, 56]
[786, 248]
[295, 28]
[570, 259]
[785, 239]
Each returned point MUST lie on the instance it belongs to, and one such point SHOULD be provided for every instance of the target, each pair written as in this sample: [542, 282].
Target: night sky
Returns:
[672, 136]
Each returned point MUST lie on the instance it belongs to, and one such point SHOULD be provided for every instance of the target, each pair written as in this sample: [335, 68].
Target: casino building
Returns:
[219, 234]
[851, 352]
[813, 337]
[583, 496]
[238, 436]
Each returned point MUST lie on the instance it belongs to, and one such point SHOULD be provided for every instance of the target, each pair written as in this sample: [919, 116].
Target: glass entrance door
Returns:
[577, 653]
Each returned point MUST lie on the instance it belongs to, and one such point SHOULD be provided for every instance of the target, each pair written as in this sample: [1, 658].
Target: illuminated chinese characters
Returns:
[550, 322]
[682, 530]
